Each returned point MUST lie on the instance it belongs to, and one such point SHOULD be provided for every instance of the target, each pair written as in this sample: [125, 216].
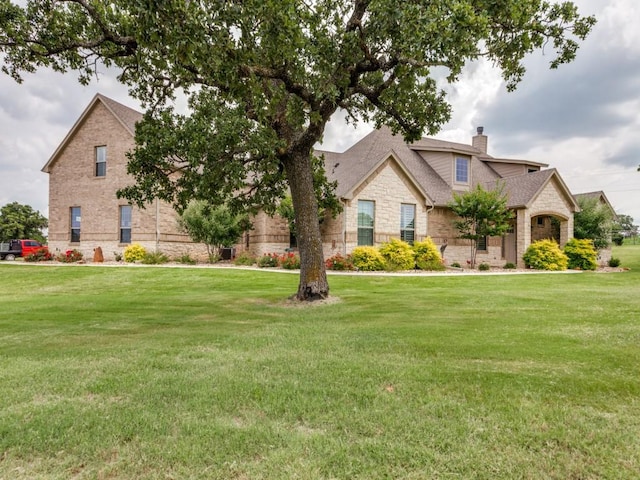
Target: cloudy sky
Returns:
[583, 119]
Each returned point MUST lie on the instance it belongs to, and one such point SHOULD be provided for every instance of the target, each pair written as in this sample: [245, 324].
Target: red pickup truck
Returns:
[19, 248]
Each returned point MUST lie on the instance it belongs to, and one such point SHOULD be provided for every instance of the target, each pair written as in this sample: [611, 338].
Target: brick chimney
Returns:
[480, 140]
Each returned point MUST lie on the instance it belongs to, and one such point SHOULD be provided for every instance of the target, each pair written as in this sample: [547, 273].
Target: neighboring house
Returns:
[86, 171]
[388, 188]
[604, 254]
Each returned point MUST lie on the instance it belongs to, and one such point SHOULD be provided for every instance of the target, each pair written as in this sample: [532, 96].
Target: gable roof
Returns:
[600, 196]
[523, 189]
[126, 116]
[352, 167]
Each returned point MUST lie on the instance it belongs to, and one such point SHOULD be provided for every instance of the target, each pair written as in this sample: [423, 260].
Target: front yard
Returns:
[158, 373]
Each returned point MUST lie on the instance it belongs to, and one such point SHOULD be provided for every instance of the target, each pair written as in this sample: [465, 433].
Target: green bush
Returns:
[367, 259]
[117, 256]
[484, 267]
[614, 262]
[154, 258]
[134, 253]
[398, 255]
[509, 266]
[545, 255]
[339, 262]
[427, 255]
[268, 260]
[186, 259]
[289, 261]
[244, 258]
[581, 254]
[456, 265]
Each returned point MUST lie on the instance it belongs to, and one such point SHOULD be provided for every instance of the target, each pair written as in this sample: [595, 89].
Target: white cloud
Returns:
[582, 118]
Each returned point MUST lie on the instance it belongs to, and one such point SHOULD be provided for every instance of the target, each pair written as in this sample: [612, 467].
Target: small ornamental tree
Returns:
[482, 213]
[21, 221]
[215, 226]
[594, 222]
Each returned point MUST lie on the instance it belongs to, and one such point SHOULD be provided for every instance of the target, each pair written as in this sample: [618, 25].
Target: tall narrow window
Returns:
[366, 216]
[125, 223]
[408, 223]
[462, 170]
[76, 218]
[101, 161]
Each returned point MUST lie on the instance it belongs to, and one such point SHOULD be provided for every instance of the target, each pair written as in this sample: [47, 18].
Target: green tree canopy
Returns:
[263, 78]
[594, 221]
[21, 221]
[215, 226]
[482, 213]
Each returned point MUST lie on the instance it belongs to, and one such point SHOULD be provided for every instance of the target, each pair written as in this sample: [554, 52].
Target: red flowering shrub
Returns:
[70, 256]
[339, 262]
[40, 255]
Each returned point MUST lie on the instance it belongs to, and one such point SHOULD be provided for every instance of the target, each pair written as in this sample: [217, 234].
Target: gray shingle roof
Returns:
[352, 167]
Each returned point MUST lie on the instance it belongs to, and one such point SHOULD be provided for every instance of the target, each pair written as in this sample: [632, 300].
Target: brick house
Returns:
[86, 171]
[388, 189]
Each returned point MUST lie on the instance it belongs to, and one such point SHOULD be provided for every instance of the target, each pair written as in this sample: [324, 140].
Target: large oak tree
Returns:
[264, 77]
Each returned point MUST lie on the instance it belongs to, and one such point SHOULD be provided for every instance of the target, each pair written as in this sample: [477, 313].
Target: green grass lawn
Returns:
[192, 373]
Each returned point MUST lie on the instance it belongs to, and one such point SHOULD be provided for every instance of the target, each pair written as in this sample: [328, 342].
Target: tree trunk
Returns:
[313, 276]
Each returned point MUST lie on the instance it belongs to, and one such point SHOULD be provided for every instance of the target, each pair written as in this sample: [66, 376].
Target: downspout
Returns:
[157, 225]
[429, 209]
[344, 229]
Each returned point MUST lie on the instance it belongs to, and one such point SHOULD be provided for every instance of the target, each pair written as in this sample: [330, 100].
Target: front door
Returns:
[509, 250]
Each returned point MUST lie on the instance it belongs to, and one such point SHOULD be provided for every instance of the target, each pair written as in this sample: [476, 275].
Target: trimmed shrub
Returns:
[268, 260]
[582, 254]
[339, 262]
[244, 258]
[484, 267]
[367, 259]
[509, 266]
[427, 255]
[134, 253]
[545, 255]
[154, 258]
[614, 262]
[398, 255]
[456, 265]
[70, 256]
[40, 255]
[117, 256]
[289, 261]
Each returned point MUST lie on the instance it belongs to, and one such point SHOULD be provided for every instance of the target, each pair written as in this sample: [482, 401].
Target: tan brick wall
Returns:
[72, 183]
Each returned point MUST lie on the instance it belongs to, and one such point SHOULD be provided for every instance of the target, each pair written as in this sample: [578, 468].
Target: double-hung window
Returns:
[408, 223]
[101, 161]
[462, 170]
[76, 218]
[125, 223]
[366, 218]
